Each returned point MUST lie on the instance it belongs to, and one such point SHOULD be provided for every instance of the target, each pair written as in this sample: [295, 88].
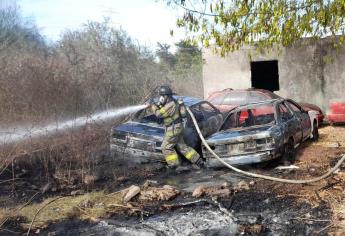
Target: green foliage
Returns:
[183, 69]
[231, 24]
[188, 56]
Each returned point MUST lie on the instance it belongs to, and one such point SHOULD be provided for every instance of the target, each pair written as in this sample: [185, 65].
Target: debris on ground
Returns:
[165, 193]
[150, 183]
[290, 167]
[242, 185]
[148, 193]
[198, 192]
[254, 229]
[77, 192]
[222, 191]
[130, 192]
[333, 145]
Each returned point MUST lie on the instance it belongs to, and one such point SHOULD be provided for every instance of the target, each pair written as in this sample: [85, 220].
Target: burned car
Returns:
[228, 99]
[139, 140]
[260, 132]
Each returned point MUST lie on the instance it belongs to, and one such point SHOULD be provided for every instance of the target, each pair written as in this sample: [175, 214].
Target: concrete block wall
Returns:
[310, 71]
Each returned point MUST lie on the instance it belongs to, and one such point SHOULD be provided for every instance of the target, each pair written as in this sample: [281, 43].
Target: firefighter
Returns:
[173, 111]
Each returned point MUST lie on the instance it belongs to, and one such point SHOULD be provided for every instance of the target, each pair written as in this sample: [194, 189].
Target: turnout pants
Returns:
[173, 138]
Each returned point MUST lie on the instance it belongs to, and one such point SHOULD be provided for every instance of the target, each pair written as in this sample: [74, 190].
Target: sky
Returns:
[147, 21]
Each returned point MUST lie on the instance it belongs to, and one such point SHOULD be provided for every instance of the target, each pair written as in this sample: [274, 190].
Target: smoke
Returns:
[19, 134]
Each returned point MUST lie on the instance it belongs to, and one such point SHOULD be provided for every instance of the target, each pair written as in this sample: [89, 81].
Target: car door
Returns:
[291, 123]
[303, 117]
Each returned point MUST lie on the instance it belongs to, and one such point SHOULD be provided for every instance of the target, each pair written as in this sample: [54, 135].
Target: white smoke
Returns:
[19, 134]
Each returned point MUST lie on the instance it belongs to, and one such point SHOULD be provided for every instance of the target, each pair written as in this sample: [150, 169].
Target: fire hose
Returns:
[291, 181]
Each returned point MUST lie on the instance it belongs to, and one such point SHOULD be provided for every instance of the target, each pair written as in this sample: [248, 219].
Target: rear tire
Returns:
[289, 154]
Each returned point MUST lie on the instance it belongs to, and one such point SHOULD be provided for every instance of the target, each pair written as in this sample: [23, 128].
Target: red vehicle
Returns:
[312, 107]
[337, 114]
[228, 99]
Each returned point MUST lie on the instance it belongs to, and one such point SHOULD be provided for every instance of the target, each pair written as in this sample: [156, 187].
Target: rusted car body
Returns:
[139, 140]
[260, 132]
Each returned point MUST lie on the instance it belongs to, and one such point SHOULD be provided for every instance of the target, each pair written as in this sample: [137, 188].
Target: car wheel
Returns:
[315, 132]
[289, 154]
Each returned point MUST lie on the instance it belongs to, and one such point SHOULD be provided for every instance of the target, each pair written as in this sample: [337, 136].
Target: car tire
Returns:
[289, 154]
[315, 132]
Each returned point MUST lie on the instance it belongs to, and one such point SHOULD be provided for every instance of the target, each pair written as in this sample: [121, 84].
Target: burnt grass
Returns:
[278, 216]
[275, 214]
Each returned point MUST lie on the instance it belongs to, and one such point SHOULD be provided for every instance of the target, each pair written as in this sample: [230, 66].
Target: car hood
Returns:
[240, 134]
[140, 129]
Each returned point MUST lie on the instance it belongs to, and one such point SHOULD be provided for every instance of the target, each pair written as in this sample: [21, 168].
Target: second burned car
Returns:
[260, 132]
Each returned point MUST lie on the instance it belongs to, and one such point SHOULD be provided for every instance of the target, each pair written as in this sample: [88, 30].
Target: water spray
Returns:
[20, 134]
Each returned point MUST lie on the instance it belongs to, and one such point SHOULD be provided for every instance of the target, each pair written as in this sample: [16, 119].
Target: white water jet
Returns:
[20, 134]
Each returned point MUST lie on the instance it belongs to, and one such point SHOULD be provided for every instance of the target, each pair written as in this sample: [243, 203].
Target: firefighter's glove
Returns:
[182, 107]
[147, 104]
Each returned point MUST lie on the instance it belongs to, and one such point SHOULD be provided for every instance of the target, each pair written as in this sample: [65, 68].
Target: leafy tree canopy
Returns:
[228, 25]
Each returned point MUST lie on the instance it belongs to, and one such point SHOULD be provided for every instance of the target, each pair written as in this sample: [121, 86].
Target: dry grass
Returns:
[319, 155]
[334, 195]
[91, 206]
[332, 134]
[315, 159]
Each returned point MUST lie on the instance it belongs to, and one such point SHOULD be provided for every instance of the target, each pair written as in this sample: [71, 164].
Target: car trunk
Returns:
[241, 141]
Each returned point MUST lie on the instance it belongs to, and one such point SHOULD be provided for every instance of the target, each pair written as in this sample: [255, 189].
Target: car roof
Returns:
[188, 101]
[230, 90]
[271, 101]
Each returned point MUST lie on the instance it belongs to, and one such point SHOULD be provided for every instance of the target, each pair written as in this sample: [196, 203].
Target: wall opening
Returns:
[265, 75]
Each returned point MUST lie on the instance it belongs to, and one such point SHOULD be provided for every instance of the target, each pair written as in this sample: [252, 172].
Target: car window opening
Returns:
[285, 113]
[250, 116]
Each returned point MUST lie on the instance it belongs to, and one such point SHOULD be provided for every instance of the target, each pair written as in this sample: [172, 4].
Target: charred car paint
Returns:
[140, 138]
[260, 132]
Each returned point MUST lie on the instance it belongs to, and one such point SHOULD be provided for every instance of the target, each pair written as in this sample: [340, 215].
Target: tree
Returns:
[188, 56]
[228, 25]
[18, 32]
[165, 57]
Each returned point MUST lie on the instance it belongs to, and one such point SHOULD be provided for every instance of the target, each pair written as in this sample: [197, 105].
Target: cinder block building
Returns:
[309, 71]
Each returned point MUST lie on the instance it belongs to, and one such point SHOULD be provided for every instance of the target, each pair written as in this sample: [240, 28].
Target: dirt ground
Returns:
[251, 206]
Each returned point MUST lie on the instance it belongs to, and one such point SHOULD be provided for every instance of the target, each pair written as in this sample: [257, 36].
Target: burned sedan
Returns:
[139, 140]
[260, 132]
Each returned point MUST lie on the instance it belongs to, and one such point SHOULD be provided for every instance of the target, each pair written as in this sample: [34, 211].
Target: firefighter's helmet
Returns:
[165, 90]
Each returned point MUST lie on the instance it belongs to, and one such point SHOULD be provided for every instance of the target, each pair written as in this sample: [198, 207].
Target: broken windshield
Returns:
[260, 114]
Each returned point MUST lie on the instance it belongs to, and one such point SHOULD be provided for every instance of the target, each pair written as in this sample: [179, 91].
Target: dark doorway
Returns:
[265, 75]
